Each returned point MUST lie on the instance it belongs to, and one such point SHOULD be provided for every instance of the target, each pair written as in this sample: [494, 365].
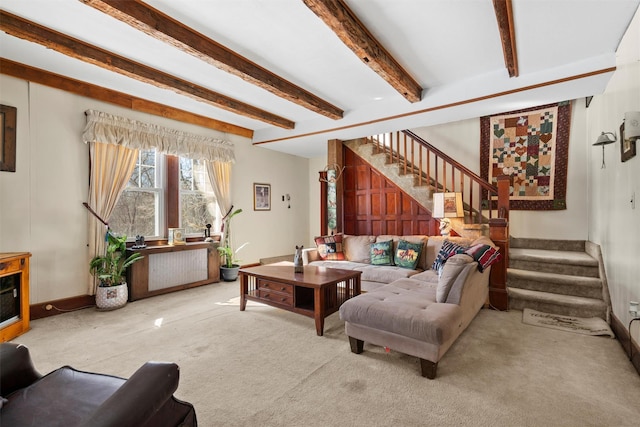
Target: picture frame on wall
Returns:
[627, 146]
[261, 197]
[8, 138]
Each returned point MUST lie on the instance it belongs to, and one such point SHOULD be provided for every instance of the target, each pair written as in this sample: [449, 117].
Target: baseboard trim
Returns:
[39, 310]
[622, 334]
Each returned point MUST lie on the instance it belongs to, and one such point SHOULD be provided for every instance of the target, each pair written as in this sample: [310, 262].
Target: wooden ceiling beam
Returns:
[506, 25]
[356, 37]
[27, 30]
[46, 78]
[162, 27]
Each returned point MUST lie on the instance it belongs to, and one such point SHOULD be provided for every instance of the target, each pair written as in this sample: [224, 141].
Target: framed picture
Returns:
[627, 145]
[261, 197]
[8, 138]
[176, 236]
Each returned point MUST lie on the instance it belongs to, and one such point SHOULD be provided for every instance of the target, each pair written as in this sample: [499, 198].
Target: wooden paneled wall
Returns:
[373, 205]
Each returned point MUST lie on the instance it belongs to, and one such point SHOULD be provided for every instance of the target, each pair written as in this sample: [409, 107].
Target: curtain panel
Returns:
[111, 129]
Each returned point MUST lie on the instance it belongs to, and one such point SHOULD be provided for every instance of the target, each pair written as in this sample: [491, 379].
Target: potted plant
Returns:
[110, 270]
[229, 267]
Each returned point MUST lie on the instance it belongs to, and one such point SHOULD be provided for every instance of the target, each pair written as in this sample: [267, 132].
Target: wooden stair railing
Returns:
[484, 202]
[433, 168]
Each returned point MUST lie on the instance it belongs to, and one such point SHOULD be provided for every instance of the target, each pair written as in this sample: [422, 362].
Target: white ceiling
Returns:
[450, 47]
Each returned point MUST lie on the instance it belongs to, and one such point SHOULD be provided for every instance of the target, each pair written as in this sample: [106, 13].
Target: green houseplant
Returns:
[228, 268]
[110, 270]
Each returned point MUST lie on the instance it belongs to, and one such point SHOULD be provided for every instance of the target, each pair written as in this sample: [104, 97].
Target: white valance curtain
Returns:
[111, 129]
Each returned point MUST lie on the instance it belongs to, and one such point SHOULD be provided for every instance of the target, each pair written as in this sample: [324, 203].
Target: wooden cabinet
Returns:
[171, 268]
[14, 294]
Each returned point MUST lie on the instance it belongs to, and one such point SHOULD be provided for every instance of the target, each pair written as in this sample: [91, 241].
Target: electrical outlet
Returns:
[633, 200]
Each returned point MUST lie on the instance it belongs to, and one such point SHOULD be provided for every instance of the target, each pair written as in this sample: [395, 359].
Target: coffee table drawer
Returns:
[268, 285]
[276, 297]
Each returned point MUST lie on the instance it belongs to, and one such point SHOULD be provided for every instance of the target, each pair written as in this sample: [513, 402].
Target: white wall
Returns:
[41, 203]
[278, 231]
[613, 223]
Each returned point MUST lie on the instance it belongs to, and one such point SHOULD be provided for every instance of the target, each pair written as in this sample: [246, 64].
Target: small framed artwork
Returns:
[8, 138]
[176, 236]
[261, 197]
[627, 145]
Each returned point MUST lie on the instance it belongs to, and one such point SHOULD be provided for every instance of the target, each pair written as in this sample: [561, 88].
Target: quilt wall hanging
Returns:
[532, 147]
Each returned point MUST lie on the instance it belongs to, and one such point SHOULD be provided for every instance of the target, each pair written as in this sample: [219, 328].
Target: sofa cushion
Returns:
[407, 255]
[447, 250]
[406, 307]
[485, 255]
[358, 248]
[344, 265]
[384, 273]
[428, 276]
[450, 272]
[382, 253]
[330, 247]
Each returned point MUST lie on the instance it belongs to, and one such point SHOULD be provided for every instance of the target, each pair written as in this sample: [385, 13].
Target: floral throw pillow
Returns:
[408, 254]
[382, 253]
[330, 247]
[447, 250]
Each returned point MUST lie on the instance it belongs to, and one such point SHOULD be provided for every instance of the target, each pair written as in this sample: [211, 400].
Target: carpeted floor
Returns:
[267, 367]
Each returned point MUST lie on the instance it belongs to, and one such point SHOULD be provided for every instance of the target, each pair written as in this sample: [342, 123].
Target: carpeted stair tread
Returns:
[557, 245]
[553, 256]
[541, 276]
[519, 299]
[590, 287]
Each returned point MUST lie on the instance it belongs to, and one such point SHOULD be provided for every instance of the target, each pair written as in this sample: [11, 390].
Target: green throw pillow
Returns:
[408, 254]
[382, 253]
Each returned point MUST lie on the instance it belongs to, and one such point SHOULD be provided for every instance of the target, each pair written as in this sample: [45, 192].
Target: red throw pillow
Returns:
[330, 247]
[484, 254]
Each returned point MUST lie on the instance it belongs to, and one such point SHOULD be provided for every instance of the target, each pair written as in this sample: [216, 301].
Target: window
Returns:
[142, 210]
[198, 205]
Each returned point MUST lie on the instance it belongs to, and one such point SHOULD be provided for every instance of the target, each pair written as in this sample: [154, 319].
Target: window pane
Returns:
[186, 174]
[148, 157]
[147, 176]
[135, 214]
[196, 211]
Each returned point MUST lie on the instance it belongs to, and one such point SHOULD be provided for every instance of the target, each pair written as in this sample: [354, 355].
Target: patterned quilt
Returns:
[531, 146]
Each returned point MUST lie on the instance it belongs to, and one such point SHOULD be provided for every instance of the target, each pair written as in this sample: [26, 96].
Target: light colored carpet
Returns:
[579, 325]
[267, 367]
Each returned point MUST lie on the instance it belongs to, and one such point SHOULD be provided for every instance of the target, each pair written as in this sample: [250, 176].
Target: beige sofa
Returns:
[417, 312]
[357, 257]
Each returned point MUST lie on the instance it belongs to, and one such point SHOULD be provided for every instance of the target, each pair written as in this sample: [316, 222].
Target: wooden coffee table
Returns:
[317, 292]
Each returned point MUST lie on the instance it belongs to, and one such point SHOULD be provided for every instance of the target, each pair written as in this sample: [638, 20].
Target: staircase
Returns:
[556, 276]
[561, 276]
[421, 169]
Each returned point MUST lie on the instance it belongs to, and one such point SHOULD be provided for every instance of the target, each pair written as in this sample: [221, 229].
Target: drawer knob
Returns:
[3, 265]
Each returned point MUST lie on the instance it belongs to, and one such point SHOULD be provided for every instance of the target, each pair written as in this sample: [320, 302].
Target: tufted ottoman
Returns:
[417, 317]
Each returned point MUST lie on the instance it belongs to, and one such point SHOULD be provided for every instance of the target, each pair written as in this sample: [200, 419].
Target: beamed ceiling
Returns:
[292, 74]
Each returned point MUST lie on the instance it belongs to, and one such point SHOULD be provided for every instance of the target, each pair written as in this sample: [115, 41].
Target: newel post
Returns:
[499, 234]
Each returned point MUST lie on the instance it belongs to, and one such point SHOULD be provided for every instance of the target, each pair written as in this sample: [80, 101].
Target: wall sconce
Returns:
[445, 206]
[605, 138]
